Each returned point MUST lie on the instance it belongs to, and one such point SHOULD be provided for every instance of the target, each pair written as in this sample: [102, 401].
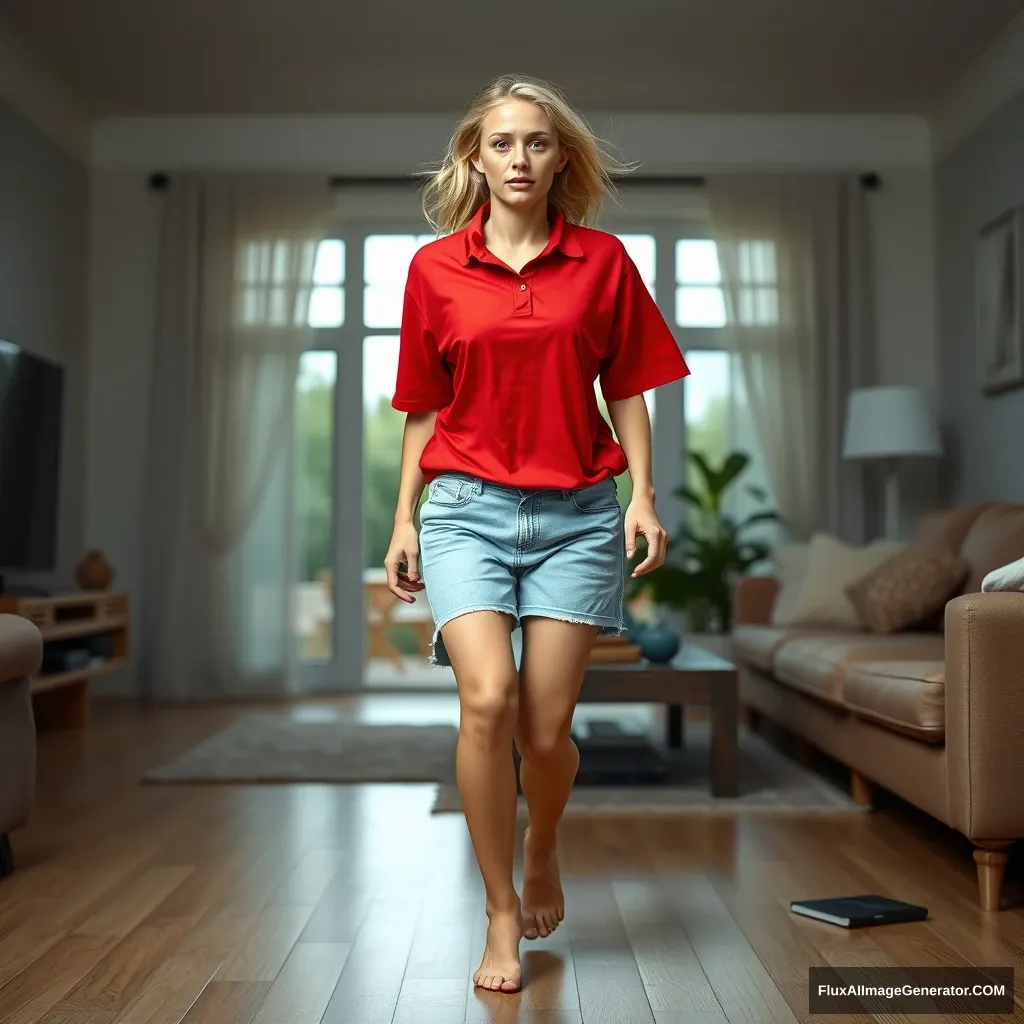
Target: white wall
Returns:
[124, 219]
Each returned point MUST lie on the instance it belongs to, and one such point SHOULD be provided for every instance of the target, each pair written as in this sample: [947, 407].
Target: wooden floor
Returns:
[353, 905]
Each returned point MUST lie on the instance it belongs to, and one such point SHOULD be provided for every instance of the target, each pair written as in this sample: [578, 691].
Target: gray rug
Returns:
[271, 747]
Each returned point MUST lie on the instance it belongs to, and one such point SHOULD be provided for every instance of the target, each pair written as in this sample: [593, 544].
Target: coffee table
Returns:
[693, 676]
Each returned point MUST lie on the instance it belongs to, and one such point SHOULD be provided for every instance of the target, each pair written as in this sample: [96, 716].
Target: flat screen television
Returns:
[31, 411]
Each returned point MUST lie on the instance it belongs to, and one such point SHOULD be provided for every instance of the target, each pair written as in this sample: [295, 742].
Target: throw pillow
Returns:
[790, 564]
[832, 566]
[907, 589]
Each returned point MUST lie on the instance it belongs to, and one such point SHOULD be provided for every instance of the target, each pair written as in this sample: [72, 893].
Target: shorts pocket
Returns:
[452, 492]
[600, 497]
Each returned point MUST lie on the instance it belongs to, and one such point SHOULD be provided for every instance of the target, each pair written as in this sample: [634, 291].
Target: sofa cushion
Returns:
[908, 696]
[758, 645]
[817, 666]
[995, 538]
[832, 565]
[908, 588]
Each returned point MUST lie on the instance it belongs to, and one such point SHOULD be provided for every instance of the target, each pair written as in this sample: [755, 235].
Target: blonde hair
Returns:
[455, 191]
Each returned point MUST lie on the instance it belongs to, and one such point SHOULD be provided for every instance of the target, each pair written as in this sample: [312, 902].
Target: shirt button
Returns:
[522, 287]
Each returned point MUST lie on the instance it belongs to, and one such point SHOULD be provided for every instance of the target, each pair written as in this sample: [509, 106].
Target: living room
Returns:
[229, 789]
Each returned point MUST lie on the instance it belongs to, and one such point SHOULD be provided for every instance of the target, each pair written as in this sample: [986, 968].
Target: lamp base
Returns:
[892, 500]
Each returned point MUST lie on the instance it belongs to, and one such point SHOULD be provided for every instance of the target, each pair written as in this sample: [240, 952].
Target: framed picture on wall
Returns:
[999, 281]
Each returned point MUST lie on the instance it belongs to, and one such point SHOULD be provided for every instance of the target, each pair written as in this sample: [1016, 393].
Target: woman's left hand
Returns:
[641, 518]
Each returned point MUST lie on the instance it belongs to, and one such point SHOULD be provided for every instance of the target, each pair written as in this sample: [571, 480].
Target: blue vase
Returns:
[659, 644]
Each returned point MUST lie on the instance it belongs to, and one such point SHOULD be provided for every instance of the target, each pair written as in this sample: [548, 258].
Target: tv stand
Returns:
[85, 633]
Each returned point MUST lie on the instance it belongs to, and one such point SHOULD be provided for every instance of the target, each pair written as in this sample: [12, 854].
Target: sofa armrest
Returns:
[985, 714]
[21, 653]
[21, 648]
[752, 600]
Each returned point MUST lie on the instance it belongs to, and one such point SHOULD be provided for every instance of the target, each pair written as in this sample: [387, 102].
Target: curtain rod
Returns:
[160, 181]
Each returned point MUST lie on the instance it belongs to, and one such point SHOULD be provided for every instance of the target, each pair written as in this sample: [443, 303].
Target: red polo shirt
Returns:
[509, 360]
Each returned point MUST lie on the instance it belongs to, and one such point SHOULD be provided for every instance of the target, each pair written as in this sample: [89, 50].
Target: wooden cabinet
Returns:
[84, 633]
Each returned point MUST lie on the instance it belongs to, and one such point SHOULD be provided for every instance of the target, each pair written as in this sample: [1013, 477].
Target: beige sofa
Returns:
[21, 653]
[934, 715]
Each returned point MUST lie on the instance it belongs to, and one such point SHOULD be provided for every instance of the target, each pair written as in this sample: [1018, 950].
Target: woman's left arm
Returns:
[632, 426]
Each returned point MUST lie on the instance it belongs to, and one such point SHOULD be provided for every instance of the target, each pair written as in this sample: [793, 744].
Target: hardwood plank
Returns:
[171, 990]
[113, 982]
[26, 998]
[227, 1002]
[303, 988]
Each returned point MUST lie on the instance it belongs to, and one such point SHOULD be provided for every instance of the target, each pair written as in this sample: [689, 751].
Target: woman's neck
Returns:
[517, 227]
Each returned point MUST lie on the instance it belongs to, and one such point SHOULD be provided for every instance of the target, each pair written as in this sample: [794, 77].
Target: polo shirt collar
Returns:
[562, 236]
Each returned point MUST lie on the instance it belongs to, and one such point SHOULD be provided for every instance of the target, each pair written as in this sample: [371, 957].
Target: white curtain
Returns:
[794, 258]
[235, 279]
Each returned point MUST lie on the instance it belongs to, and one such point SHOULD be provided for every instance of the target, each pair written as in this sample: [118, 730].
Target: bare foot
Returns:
[543, 902]
[500, 970]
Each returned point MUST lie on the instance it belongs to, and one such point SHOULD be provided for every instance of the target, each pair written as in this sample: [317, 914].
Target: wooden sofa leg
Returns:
[991, 856]
[6, 856]
[861, 789]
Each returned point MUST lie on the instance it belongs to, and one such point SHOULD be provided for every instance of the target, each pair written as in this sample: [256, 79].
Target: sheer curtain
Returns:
[235, 279]
[793, 253]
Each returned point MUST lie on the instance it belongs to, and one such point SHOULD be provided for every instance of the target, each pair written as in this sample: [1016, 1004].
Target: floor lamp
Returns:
[890, 423]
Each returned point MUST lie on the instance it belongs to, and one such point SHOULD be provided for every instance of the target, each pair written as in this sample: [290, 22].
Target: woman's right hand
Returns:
[404, 550]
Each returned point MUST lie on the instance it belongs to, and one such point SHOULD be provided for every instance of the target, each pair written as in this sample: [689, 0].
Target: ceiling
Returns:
[406, 56]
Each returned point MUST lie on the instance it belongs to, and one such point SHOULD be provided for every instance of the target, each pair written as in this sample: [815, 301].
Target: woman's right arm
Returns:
[419, 427]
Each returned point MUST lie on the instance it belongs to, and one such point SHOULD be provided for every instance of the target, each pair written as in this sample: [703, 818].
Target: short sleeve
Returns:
[424, 382]
[642, 353]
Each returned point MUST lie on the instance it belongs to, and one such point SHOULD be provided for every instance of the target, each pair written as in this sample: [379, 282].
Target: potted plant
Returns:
[708, 552]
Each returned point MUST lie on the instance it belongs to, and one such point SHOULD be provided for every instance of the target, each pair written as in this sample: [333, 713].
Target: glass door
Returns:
[348, 630]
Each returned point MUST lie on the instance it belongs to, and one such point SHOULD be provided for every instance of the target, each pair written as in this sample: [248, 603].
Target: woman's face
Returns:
[517, 141]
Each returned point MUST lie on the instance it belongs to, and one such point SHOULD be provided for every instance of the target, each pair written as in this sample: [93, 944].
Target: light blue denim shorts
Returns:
[553, 553]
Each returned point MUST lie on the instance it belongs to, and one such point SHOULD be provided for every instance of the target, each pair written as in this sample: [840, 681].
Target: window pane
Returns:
[382, 305]
[313, 604]
[330, 262]
[386, 260]
[396, 632]
[700, 307]
[641, 249]
[327, 307]
[718, 422]
[697, 261]
[706, 405]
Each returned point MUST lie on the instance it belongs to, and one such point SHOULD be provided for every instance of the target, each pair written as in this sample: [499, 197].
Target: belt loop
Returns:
[478, 486]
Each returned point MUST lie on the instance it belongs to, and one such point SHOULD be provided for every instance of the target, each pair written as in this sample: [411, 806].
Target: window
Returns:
[327, 302]
[717, 413]
[642, 249]
[699, 298]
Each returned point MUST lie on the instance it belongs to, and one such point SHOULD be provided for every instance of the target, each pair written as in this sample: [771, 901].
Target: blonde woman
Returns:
[509, 319]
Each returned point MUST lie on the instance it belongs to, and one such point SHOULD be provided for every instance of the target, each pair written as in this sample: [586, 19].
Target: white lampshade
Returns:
[890, 422]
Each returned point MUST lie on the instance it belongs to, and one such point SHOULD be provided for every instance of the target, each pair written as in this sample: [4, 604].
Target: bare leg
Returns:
[480, 649]
[554, 658]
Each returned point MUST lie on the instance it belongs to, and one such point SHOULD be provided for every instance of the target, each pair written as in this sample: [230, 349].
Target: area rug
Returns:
[272, 747]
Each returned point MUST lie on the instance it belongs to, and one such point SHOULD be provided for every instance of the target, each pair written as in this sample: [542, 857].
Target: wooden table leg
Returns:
[676, 722]
[725, 739]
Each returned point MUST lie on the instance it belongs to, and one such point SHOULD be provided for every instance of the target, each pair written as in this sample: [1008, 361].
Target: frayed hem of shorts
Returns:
[606, 625]
[433, 659]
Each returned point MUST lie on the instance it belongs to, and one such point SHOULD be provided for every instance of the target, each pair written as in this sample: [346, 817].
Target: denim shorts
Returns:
[491, 547]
